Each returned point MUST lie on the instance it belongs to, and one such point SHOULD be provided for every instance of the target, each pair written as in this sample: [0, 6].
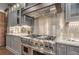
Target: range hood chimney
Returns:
[43, 9]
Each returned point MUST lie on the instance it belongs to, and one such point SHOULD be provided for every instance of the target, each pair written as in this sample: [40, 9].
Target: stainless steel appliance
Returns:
[45, 44]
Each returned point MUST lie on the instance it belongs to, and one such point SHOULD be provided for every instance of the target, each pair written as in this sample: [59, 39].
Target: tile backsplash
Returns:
[74, 29]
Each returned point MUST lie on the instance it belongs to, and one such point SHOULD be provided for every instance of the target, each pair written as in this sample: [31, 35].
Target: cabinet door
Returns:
[12, 18]
[12, 42]
[72, 50]
[18, 47]
[8, 41]
[72, 12]
[9, 19]
[27, 20]
[15, 17]
[8, 23]
[17, 44]
[61, 49]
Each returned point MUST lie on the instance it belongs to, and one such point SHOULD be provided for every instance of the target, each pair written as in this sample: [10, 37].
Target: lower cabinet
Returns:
[8, 41]
[72, 50]
[61, 49]
[13, 43]
[16, 46]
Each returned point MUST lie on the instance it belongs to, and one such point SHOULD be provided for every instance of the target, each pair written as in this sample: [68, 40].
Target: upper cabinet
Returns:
[28, 5]
[33, 7]
[72, 12]
[27, 20]
[14, 15]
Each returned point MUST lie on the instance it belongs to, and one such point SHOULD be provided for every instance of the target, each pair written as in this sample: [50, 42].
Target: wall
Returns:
[3, 6]
[46, 25]
[52, 24]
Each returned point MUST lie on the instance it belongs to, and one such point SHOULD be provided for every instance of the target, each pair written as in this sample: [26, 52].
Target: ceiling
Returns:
[4, 6]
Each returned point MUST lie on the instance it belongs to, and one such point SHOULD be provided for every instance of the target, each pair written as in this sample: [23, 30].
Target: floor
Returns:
[4, 51]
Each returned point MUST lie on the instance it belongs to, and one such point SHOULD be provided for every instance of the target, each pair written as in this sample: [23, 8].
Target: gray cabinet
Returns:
[72, 50]
[61, 49]
[15, 17]
[72, 12]
[27, 20]
[8, 41]
[17, 44]
[12, 18]
[28, 5]
[13, 43]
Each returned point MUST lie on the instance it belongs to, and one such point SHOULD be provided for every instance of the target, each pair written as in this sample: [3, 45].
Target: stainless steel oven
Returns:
[26, 50]
[38, 53]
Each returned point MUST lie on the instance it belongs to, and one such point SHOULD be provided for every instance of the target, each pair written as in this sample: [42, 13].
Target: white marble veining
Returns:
[63, 41]
[68, 42]
[20, 35]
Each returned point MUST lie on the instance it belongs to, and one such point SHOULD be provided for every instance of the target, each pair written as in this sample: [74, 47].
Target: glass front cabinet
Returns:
[71, 11]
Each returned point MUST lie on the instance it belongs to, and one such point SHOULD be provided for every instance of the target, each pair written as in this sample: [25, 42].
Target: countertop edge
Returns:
[61, 41]
[72, 43]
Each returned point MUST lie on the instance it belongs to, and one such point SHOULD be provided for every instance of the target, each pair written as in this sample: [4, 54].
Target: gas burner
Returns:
[51, 38]
[47, 38]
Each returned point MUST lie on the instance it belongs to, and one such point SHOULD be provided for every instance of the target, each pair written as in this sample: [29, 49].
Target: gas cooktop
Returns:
[42, 37]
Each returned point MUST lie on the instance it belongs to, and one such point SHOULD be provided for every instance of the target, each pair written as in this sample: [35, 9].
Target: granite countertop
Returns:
[58, 40]
[25, 37]
[68, 42]
[19, 35]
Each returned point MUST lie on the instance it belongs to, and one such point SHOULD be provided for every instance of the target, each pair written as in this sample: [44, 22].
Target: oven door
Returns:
[27, 50]
[37, 53]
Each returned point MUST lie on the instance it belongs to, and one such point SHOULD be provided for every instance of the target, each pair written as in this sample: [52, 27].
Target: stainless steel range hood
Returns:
[36, 7]
[42, 9]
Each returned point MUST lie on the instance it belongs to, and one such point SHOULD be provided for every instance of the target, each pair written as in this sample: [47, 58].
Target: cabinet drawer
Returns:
[76, 49]
[72, 50]
[61, 45]
[61, 49]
